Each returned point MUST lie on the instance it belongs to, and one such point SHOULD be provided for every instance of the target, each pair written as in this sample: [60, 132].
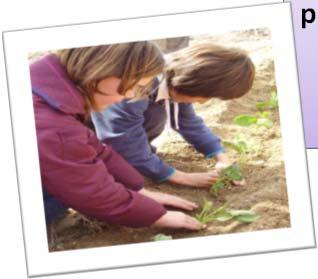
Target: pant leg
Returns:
[53, 208]
[155, 120]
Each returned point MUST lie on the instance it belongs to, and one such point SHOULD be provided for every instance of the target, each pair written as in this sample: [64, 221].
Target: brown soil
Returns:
[263, 167]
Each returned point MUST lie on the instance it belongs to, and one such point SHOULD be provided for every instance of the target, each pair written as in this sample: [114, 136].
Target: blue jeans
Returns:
[53, 208]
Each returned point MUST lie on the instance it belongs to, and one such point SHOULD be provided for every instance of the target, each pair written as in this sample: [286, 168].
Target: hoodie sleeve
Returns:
[78, 173]
[121, 126]
[194, 131]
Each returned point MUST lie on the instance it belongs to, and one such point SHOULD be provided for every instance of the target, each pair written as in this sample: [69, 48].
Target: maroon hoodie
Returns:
[76, 167]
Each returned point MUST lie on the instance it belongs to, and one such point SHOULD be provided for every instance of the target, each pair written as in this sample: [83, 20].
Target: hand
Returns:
[222, 163]
[178, 220]
[199, 179]
[171, 200]
[239, 182]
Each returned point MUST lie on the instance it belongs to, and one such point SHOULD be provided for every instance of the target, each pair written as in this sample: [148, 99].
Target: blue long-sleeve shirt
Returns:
[121, 126]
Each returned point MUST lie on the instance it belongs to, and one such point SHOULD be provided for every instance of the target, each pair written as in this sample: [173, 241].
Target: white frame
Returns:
[18, 44]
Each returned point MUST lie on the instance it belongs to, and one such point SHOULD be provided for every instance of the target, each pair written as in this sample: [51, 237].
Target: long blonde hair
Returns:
[128, 61]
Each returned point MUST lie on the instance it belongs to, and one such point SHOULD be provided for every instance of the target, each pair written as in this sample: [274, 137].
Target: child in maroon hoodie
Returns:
[79, 171]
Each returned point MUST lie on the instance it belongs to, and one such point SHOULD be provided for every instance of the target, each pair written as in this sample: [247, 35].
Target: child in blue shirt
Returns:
[194, 74]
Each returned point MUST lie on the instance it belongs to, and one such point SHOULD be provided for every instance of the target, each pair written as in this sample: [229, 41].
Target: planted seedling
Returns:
[245, 120]
[272, 103]
[161, 236]
[244, 216]
[261, 119]
[238, 145]
[209, 213]
[227, 175]
[222, 214]
[242, 146]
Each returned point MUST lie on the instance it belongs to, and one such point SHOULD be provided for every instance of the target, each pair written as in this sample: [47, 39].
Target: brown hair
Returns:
[128, 61]
[208, 70]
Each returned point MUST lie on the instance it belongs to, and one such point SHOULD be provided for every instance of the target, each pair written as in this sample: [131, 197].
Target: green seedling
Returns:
[245, 216]
[161, 236]
[272, 103]
[227, 175]
[239, 146]
[222, 214]
[209, 213]
[261, 119]
[242, 146]
[245, 120]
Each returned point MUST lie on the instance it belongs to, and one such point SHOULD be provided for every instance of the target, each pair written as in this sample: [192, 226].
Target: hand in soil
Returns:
[198, 179]
[178, 220]
[170, 200]
[222, 164]
[239, 182]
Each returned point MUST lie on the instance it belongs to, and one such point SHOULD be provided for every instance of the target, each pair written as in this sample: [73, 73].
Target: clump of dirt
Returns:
[262, 166]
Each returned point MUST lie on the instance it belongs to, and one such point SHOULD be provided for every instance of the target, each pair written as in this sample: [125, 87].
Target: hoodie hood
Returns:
[163, 94]
[50, 82]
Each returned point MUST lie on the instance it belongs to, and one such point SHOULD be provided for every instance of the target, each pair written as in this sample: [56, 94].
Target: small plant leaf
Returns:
[218, 185]
[237, 212]
[245, 120]
[242, 146]
[220, 209]
[160, 237]
[227, 175]
[246, 218]
[274, 99]
[239, 146]
[264, 122]
[222, 214]
[272, 103]
[223, 217]
[263, 114]
[233, 172]
[261, 105]
[231, 145]
[208, 205]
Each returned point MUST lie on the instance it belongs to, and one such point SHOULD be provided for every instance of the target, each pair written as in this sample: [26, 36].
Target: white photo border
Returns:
[18, 44]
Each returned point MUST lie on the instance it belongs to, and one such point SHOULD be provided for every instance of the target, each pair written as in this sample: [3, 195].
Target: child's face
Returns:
[108, 95]
[180, 98]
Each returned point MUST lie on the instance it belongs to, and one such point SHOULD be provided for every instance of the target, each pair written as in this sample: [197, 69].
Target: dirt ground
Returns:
[263, 166]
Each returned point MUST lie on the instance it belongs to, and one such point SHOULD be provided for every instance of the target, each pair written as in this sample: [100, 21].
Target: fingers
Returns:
[192, 224]
[221, 165]
[204, 179]
[239, 182]
[180, 203]
[178, 220]
[214, 174]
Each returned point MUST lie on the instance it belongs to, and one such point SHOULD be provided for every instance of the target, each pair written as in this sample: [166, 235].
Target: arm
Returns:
[73, 173]
[119, 168]
[121, 126]
[194, 131]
